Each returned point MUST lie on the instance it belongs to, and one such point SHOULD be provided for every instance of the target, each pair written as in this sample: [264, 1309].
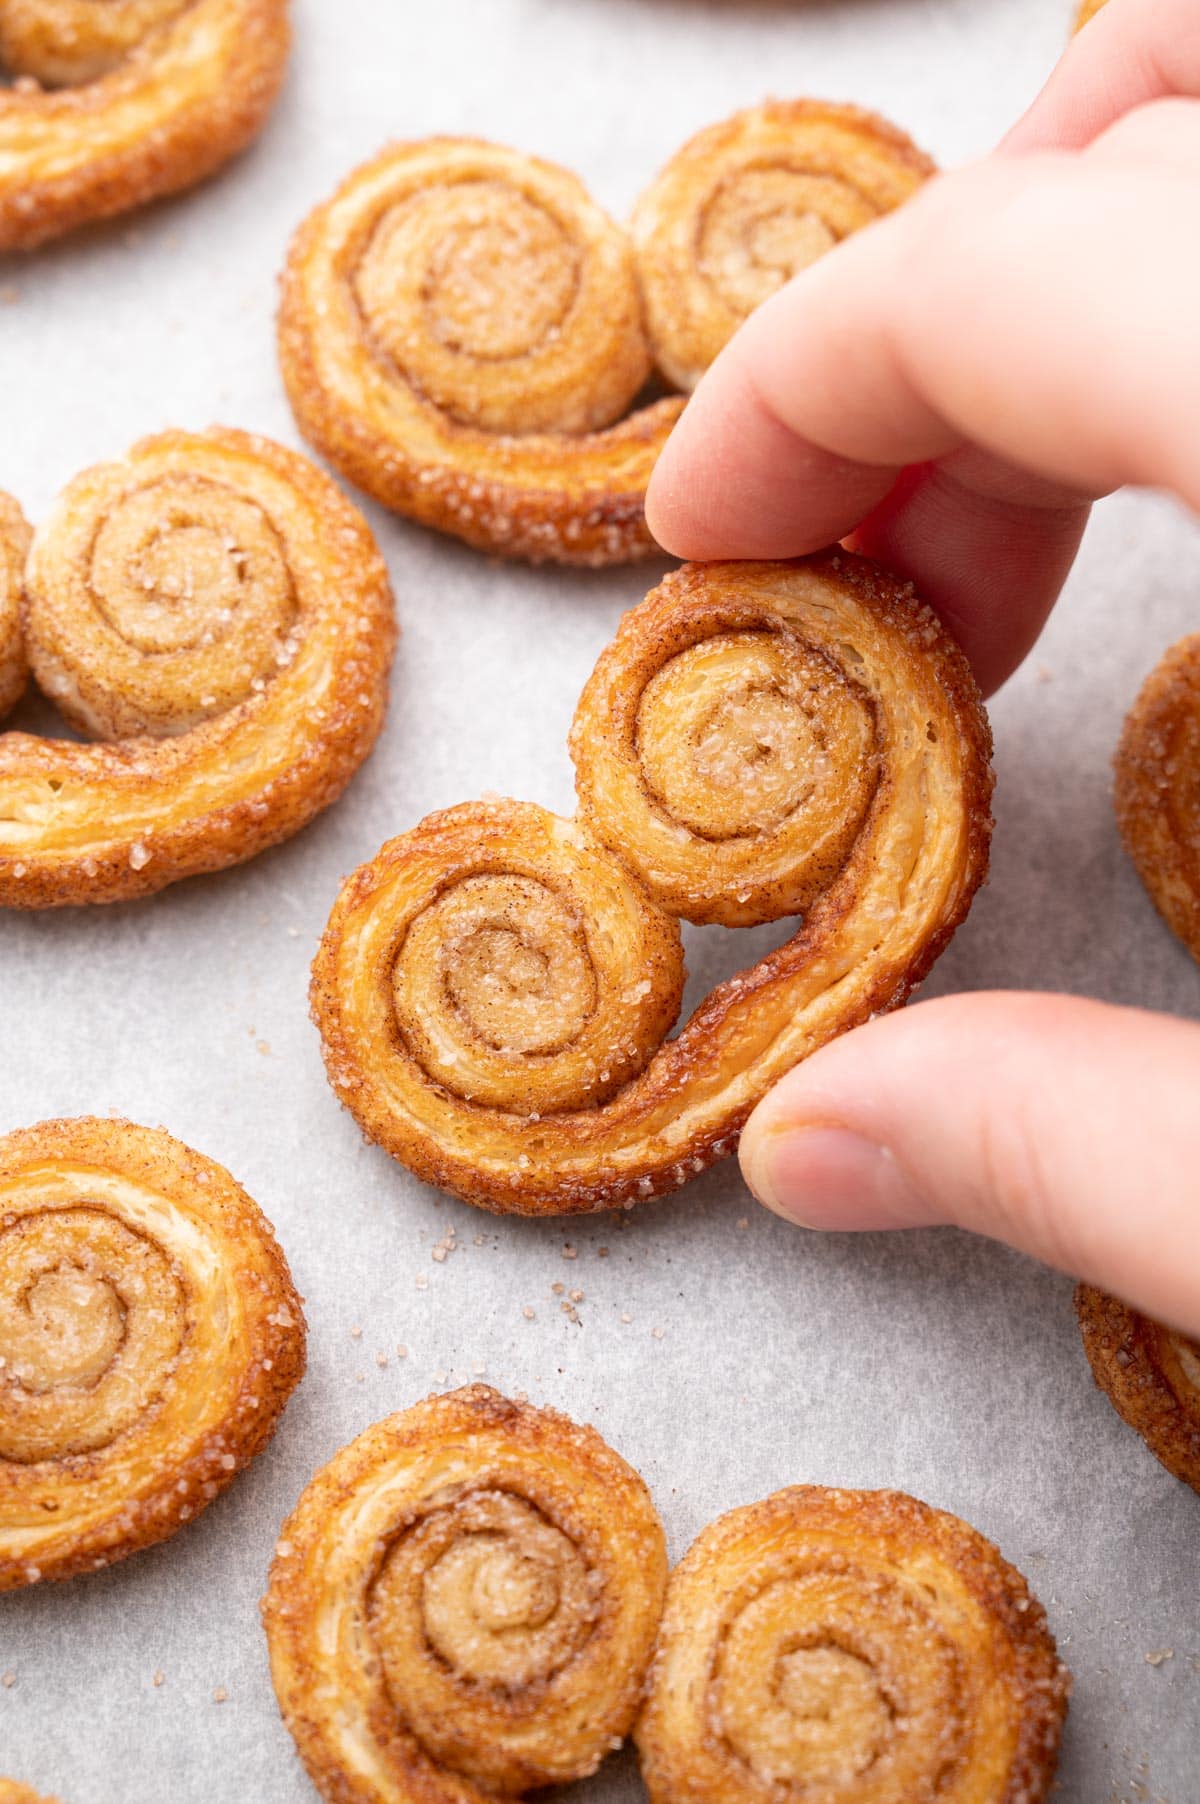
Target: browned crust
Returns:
[192, 95]
[319, 1695]
[1017, 1647]
[639, 1145]
[14, 543]
[1136, 1365]
[1157, 788]
[109, 1504]
[200, 802]
[563, 498]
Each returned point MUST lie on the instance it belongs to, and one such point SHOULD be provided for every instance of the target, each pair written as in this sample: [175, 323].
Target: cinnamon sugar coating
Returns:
[495, 988]
[853, 1647]
[219, 615]
[1157, 789]
[121, 103]
[463, 1605]
[150, 1336]
[1151, 1376]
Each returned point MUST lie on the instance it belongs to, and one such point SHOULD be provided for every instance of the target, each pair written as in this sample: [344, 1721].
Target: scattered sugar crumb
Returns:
[220, 1695]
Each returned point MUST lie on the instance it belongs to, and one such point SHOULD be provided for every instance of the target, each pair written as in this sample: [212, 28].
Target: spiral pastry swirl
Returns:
[150, 1337]
[1157, 789]
[463, 1605]
[1151, 1375]
[749, 203]
[461, 335]
[850, 1646]
[152, 96]
[219, 616]
[14, 544]
[494, 989]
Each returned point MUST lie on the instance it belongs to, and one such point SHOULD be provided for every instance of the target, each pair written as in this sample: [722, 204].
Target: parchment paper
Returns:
[756, 1356]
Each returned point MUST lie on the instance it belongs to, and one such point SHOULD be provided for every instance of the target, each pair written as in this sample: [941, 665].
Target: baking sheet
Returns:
[755, 1355]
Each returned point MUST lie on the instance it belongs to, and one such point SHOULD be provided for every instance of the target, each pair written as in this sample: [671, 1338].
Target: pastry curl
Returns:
[150, 1337]
[493, 989]
[154, 95]
[850, 1647]
[463, 1605]
[749, 203]
[216, 610]
[461, 335]
[14, 544]
[1151, 1376]
[1157, 790]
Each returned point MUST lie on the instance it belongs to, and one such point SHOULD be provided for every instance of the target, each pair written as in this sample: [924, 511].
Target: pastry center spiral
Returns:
[505, 1599]
[92, 1318]
[741, 733]
[763, 226]
[497, 287]
[75, 1323]
[830, 1673]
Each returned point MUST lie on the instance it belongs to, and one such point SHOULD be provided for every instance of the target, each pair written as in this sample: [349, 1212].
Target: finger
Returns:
[1067, 1128]
[1133, 52]
[993, 310]
[988, 548]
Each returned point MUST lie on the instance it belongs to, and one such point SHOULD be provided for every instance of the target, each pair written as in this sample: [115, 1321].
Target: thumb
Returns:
[1069, 1129]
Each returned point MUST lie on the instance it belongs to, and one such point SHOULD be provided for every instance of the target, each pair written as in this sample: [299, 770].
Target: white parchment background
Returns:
[947, 1368]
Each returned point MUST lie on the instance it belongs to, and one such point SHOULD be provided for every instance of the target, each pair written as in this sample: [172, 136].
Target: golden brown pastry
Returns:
[1157, 789]
[218, 614]
[12, 1793]
[150, 1337]
[461, 335]
[152, 96]
[850, 1647]
[1151, 1375]
[463, 1605]
[749, 203]
[14, 544]
[494, 989]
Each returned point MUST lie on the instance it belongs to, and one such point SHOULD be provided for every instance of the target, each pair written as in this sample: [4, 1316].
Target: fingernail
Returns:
[830, 1178]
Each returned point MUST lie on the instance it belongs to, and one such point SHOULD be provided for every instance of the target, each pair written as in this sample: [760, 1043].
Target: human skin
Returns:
[948, 391]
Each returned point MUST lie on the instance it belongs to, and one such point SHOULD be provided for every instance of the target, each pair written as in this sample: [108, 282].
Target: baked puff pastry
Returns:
[1157, 789]
[117, 102]
[150, 1336]
[1151, 1376]
[463, 1605]
[218, 616]
[850, 1647]
[494, 990]
[463, 331]
[14, 545]
[746, 205]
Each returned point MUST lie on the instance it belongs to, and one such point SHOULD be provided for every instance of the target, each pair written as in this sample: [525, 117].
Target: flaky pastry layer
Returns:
[1150, 1374]
[494, 988]
[219, 613]
[150, 1336]
[748, 204]
[166, 94]
[460, 334]
[463, 1605]
[14, 545]
[852, 1647]
[1157, 788]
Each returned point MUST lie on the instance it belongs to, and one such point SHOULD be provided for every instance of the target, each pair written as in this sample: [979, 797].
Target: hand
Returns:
[951, 389]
